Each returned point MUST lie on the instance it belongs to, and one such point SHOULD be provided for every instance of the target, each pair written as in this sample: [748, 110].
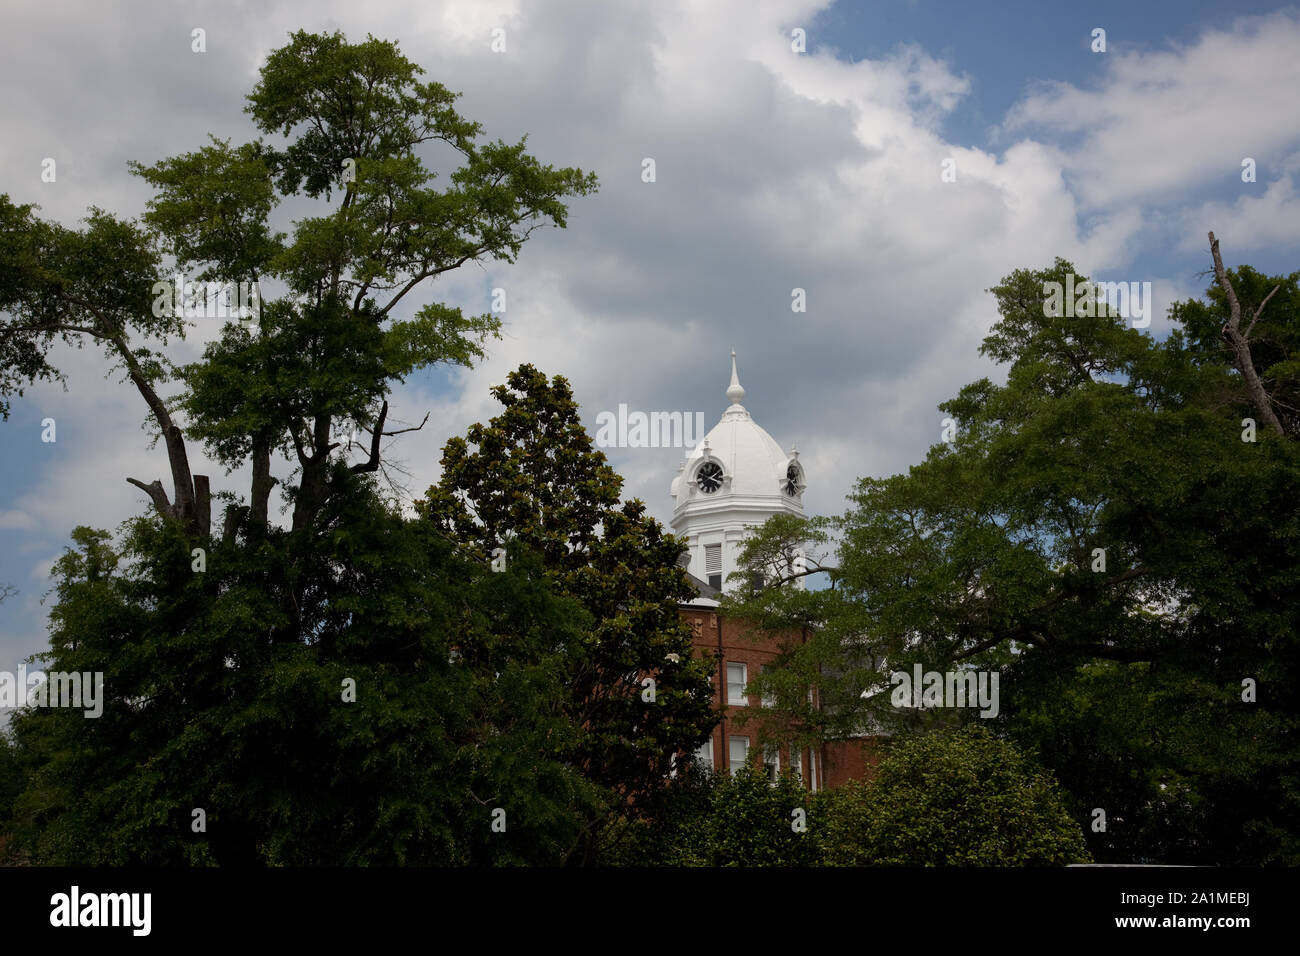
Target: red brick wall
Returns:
[742, 644]
[846, 760]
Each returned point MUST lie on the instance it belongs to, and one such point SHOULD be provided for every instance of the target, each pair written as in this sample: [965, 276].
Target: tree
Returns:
[530, 477]
[11, 785]
[428, 701]
[676, 833]
[754, 823]
[724, 820]
[350, 689]
[1240, 342]
[1105, 533]
[325, 355]
[952, 799]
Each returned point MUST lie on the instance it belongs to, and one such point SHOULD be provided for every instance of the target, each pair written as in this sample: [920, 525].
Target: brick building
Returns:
[740, 657]
[732, 481]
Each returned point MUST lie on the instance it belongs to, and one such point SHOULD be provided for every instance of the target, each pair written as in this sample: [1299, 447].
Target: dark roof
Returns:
[703, 588]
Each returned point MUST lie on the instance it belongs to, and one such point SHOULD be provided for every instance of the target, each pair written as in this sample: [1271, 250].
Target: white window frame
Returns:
[743, 700]
[773, 774]
[732, 766]
[704, 753]
[768, 699]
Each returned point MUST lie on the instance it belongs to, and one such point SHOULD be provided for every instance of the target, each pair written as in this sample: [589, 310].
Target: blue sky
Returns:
[776, 170]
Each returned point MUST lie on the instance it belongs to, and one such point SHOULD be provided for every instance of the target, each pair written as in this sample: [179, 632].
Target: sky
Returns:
[776, 169]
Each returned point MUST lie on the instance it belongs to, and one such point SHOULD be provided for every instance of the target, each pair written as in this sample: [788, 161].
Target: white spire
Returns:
[734, 392]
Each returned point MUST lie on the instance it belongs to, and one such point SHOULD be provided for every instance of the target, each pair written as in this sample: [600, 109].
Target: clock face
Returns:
[792, 480]
[709, 477]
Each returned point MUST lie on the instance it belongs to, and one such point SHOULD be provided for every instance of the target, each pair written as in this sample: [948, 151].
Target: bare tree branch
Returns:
[155, 491]
[1241, 346]
[185, 507]
[1250, 328]
[373, 463]
[403, 431]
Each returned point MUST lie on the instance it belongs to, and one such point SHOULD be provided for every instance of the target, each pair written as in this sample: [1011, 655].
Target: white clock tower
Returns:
[732, 482]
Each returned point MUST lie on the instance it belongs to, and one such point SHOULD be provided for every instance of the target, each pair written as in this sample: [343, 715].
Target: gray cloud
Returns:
[774, 171]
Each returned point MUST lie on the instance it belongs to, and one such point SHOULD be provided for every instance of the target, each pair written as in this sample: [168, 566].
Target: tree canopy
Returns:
[348, 125]
[530, 479]
[348, 685]
[1113, 531]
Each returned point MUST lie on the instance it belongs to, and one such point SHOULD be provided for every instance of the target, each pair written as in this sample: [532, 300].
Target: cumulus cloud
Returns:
[1159, 124]
[1268, 215]
[775, 171]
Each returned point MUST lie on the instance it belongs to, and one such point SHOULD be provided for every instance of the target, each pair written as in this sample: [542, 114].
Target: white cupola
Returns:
[732, 482]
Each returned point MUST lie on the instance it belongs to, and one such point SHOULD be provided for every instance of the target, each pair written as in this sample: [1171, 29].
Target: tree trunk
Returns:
[1241, 345]
[314, 488]
[202, 506]
[261, 488]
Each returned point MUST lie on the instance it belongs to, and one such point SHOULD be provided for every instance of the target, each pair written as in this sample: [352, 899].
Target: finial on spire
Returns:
[734, 392]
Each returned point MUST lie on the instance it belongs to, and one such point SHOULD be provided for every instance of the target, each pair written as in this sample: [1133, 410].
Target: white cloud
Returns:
[1158, 124]
[1267, 215]
[775, 171]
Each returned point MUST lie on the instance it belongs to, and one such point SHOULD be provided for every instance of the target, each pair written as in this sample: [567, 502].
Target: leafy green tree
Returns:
[322, 358]
[1107, 533]
[676, 832]
[426, 702]
[952, 799]
[350, 689]
[531, 478]
[12, 785]
[754, 823]
[723, 820]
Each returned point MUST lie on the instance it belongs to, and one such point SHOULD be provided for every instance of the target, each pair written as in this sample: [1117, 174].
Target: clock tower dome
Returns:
[732, 482]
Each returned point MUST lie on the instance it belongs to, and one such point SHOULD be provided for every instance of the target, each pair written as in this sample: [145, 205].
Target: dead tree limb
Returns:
[372, 464]
[1240, 342]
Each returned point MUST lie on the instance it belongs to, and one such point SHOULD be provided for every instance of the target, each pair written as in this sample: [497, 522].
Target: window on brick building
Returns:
[769, 699]
[739, 749]
[796, 761]
[736, 680]
[704, 754]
